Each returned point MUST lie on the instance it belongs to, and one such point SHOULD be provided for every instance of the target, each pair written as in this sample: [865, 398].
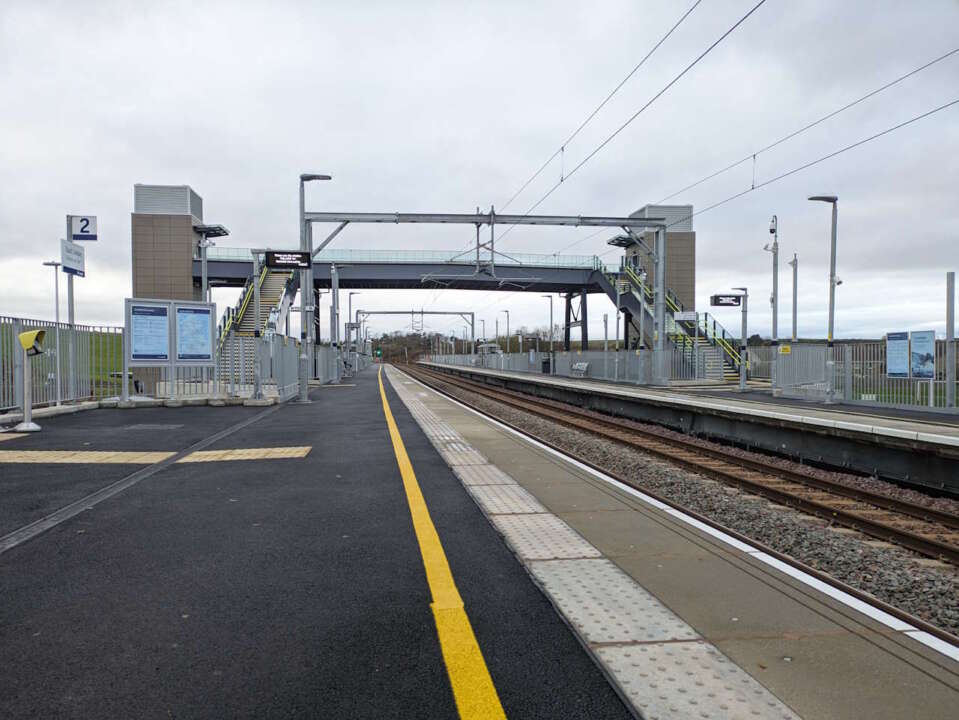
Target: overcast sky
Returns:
[445, 106]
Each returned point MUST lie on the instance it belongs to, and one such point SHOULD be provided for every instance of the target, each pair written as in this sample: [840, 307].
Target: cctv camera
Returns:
[772, 225]
[838, 281]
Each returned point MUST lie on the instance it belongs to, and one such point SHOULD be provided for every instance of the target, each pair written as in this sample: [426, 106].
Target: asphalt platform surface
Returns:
[263, 588]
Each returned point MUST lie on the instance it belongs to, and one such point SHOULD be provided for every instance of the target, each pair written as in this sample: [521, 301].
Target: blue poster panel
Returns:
[149, 333]
[923, 355]
[897, 354]
[194, 338]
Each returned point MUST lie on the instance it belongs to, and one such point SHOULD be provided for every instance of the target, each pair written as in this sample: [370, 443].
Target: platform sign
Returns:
[148, 325]
[194, 333]
[897, 354]
[922, 355]
[72, 258]
[288, 259]
[725, 300]
[82, 228]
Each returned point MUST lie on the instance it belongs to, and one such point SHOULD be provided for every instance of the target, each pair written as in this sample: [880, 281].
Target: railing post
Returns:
[950, 339]
[125, 385]
[17, 365]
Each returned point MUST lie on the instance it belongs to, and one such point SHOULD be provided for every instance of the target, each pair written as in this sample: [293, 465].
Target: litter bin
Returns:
[546, 366]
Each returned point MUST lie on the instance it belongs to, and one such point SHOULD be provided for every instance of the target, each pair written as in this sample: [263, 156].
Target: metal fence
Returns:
[626, 366]
[859, 376]
[84, 362]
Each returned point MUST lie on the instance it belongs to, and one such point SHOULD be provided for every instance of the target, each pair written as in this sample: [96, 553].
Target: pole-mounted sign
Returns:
[293, 260]
[72, 258]
[725, 300]
[82, 227]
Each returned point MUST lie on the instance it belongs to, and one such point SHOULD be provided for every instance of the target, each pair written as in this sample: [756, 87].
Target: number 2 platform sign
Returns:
[82, 228]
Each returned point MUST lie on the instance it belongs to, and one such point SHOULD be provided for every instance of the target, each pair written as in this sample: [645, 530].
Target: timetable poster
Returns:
[194, 340]
[897, 354]
[149, 333]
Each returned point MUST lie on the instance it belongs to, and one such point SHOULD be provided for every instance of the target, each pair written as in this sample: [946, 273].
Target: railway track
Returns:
[925, 530]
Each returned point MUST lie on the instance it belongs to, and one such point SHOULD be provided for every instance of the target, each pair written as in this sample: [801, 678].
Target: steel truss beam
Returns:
[490, 218]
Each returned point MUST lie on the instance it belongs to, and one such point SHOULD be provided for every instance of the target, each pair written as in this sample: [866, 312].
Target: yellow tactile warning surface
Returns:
[83, 456]
[11, 436]
[274, 453]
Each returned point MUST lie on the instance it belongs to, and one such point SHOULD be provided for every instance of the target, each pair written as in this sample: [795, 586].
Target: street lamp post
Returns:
[483, 323]
[552, 361]
[833, 282]
[507, 330]
[605, 346]
[774, 298]
[743, 352]
[56, 299]
[794, 263]
[349, 318]
[306, 290]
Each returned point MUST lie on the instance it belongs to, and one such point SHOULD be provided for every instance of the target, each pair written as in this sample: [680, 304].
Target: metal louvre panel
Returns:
[678, 217]
[163, 200]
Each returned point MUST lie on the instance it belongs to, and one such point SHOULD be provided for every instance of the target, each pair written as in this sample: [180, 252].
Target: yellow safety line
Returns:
[11, 436]
[473, 687]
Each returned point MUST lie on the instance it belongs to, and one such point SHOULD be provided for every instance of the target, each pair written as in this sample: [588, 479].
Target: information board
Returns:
[194, 334]
[897, 354]
[922, 356]
[72, 258]
[149, 333]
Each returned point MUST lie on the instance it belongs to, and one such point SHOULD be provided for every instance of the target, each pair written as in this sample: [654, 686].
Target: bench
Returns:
[579, 369]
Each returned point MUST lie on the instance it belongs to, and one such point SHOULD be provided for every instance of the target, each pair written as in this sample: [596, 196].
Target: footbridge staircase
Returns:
[703, 340]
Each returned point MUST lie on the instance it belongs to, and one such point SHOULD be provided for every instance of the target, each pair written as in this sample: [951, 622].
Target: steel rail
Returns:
[828, 579]
[724, 467]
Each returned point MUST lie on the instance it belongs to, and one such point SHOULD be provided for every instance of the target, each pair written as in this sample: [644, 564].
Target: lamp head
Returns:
[825, 198]
[308, 177]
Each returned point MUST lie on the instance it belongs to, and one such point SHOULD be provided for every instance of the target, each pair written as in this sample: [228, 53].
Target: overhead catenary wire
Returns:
[785, 138]
[639, 112]
[814, 123]
[809, 164]
[560, 151]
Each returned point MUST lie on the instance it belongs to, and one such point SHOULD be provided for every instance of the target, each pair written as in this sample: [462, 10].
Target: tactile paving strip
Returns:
[505, 499]
[689, 680]
[542, 537]
[606, 605]
[457, 452]
[482, 475]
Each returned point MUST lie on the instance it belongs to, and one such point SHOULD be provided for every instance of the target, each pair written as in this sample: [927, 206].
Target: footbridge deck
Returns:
[391, 269]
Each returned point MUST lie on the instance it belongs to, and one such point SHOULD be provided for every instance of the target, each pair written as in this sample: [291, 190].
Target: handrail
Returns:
[241, 305]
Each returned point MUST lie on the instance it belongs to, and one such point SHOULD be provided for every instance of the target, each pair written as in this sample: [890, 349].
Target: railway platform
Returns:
[903, 447]
[388, 552]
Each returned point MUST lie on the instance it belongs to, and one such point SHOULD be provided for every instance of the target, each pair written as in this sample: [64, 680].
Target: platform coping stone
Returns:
[608, 606]
[505, 499]
[482, 475]
[659, 662]
[543, 537]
